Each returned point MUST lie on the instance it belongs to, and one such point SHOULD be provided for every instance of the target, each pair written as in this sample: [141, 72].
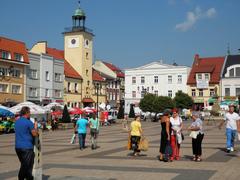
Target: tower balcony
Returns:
[77, 29]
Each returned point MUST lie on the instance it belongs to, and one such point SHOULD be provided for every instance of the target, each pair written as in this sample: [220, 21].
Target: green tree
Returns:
[66, 117]
[183, 100]
[131, 113]
[147, 103]
[120, 114]
[164, 102]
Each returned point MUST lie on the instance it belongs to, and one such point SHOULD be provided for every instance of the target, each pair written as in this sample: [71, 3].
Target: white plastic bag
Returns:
[73, 139]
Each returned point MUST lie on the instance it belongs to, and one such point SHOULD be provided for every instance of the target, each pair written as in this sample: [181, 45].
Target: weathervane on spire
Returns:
[79, 3]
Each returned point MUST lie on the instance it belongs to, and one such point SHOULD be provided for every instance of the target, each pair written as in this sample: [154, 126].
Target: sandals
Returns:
[198, 159]
[194, 158]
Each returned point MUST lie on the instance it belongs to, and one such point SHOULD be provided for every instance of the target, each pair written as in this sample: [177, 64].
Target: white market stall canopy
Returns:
[34, 109]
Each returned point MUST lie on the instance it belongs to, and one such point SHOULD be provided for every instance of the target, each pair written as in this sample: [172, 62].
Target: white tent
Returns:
[34, 109]
[51, 105]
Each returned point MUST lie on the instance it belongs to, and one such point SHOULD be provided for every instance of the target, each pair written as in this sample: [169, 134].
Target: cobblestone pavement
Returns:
[111, 160]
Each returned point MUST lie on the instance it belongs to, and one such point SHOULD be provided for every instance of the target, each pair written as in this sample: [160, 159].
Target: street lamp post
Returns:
[97, 97]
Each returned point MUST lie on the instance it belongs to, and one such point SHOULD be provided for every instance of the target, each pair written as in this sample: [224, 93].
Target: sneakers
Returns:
[228, 150]
[231, 149]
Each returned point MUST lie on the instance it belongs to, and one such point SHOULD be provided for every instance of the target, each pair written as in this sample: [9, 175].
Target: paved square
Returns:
[111, 161]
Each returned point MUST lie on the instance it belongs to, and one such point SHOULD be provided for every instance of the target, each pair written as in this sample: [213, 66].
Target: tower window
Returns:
[86, 55]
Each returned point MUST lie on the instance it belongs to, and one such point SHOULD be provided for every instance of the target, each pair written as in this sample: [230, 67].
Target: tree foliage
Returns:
[131, 113]
[183, 100]
[120, 114]
[66, 117]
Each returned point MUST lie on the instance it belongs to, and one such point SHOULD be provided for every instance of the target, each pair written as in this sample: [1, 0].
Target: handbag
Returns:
[143, 144]
[73, 139]
[129, 143]
[182, 136]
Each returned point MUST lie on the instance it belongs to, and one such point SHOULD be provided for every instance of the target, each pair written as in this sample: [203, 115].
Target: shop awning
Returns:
[87, 100]
[212, 100]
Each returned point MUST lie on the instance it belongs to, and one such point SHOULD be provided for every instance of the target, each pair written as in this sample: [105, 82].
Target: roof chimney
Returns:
[196, 59]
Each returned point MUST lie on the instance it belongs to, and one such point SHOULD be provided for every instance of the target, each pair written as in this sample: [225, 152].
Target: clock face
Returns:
[73, 42]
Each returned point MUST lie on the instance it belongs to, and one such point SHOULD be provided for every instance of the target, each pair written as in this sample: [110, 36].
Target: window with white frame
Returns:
[179, 79]
[237, 91]
[16, 89]
[58, 93]
[16, 73]
[4, 71]
[33, 92]
[47, 76]
[58, 77]
[4, 88]
[33, 74]
[69, 87]
[142, 79]
[155, 79]
[47, 93]
[76, 88]
[231, 72]
[199, 76]
[6, 55]
[212, 92]
[169, 93]
[238, 71]
[133, 80]
[169, 79]
[133, 94]
[200, 91]
[143, 93]
[18, 57]
[193, 92]
[156, 92]
[206, 76]
[227, 91]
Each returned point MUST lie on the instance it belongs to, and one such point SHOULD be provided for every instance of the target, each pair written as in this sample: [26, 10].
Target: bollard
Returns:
[37, 167]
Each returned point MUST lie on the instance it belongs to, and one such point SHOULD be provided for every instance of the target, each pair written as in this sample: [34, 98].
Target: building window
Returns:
[86, 72]
[169, 79]
[4, 71]
[115, 84]
[58, 77]
[33, 74]
[6, 55]
[142, 80]
[231, 72]
[238, 71]
[86, 55]
[18, 57]
[69, 87]
[76, 88]
[46, 92]
[47, 76]
[16, 73]
[142, 93]
[179, 79]
[155, 79]
[193, 92]
[33, 92]
[206, 76]
[169, 93]
[133, 94]
[200, 92]
[133, 80]
[156, 92]
[199, 76]
[68, 104]
[4, 88]
[238, 92]
[58, 93]
[16, 89]
[212, 92]
[227, 91]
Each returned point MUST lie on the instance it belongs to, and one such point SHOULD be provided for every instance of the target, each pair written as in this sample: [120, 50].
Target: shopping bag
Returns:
[73, 139]
[129, 144]
[143, 144]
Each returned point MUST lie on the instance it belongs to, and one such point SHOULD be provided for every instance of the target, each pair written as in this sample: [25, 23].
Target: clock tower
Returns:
[78, 49]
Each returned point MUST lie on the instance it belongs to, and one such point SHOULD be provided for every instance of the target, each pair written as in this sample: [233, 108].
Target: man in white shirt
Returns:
[232, 121]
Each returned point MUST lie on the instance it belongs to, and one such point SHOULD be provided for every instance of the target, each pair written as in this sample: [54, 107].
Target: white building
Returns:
[157, 78]
[230, 78]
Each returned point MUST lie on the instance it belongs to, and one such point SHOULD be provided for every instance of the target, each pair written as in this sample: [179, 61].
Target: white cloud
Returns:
[193, 17]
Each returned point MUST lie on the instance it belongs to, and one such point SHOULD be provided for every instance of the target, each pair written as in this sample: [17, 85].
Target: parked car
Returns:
[6, 126]
[112, 115]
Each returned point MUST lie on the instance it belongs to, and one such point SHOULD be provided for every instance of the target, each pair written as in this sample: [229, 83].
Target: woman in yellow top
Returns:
[136, 132]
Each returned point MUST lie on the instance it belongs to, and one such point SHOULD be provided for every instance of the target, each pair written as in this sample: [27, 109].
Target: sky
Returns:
[131, 33]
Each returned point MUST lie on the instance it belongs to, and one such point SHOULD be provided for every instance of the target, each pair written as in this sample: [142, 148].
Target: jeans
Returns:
[82, 137]
[94, 133]
[230, 133]
[26, 158]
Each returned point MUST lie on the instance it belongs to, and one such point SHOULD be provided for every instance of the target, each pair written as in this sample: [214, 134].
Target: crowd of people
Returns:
[170, 141]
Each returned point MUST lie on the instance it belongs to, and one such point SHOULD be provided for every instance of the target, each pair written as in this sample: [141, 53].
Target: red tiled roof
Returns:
[96, 76]
[56, 53]
[14, 46]
[115, 69]
[69, 71]
[212, 65]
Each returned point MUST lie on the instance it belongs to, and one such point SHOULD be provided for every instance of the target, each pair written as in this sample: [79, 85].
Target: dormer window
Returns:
[206, 76]
[199, 76]
[238, 71]
[18, 57]
[231, 72]
[6, 55]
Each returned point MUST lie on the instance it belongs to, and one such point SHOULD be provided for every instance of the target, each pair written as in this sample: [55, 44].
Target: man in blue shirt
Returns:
[25, 130]
[81, 127]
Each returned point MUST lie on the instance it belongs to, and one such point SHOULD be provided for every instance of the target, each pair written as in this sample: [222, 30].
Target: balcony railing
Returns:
[77, 29]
